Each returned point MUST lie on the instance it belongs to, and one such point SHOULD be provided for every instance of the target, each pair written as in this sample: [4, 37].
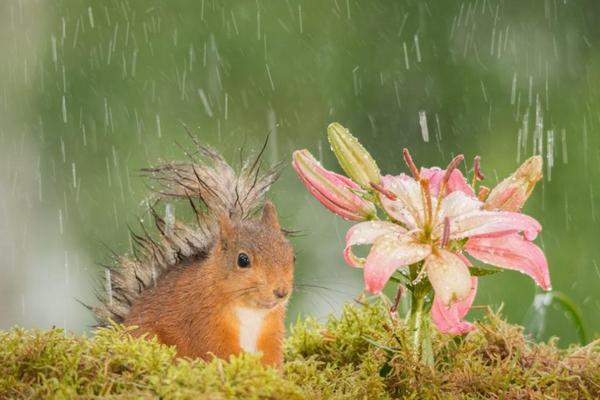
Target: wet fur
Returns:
[185, 287]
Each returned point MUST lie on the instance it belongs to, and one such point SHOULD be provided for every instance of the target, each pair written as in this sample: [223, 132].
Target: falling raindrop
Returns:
[417, 48]
[355, 80]
[536, 315]
[134, 63]
[205, 102]
[525, 131]
[270, 77]
[530, 97]
[519, 145]
[438, 132]
[565, 153]
[108, 285]
[273, 135]
[423, 124]
[406, 62]
[91, 16]
[74, 173]
[54, 51]
[60, 222]
[513, 91]
[549, 153]
[258, 36]
[64, 109]
[158, 129]
[538, 133]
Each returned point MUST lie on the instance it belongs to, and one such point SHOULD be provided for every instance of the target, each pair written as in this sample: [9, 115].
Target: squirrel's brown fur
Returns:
[187, 289]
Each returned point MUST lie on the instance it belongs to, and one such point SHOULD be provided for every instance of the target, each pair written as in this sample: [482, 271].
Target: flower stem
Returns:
[419, 324]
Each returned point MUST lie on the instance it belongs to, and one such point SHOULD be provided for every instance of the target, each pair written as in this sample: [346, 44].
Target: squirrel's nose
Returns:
[280, 293]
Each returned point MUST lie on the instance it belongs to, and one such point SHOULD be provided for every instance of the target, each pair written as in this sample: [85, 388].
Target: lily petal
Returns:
[333, 190]
[449, 276]
[457, 181]
[408, 206]
[512, 252]
[455, 204]
[387, 254]
[493, 223]
[366, 233]
[512, 192]
[458, 203]
[450, 319]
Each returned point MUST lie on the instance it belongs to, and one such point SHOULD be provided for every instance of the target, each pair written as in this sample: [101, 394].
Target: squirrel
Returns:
[219, 287]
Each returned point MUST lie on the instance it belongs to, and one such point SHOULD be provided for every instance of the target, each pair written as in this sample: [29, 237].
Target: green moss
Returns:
[361, 355]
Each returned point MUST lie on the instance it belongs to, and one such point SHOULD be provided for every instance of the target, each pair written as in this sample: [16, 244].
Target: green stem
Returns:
[419, 324]
[415, 322]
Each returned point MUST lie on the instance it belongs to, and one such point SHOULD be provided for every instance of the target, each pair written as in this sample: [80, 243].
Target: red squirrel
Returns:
[217, 288]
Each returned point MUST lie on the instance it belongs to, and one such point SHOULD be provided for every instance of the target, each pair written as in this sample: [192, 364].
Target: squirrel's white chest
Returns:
[250, 321]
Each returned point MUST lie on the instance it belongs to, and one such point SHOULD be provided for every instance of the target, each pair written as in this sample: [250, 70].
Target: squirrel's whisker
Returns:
[307, 285]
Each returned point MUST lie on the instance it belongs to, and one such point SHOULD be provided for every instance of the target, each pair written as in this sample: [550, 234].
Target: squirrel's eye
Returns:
[243, 260]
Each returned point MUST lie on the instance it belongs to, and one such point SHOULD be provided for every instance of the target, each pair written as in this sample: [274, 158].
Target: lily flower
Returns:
[510, 195]
[432, 220]
[334, 191]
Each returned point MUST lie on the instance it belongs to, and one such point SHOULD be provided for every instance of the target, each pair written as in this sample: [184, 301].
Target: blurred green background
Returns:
[91, 91]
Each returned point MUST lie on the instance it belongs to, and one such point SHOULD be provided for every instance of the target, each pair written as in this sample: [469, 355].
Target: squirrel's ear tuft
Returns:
[269, 216]
[226, 228]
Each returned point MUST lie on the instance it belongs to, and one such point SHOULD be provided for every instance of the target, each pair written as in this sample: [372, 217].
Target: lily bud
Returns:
[334, 191]
[352, 156]
[512, 192]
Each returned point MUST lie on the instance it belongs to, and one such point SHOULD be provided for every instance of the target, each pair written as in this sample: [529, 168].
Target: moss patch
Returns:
[363, 354]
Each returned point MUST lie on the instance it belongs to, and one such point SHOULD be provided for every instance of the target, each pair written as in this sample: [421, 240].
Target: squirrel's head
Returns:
[254, 260]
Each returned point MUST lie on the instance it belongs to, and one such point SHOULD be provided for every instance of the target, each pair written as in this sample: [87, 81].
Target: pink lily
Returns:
[507, 251]
[428, 224]
[334, 191]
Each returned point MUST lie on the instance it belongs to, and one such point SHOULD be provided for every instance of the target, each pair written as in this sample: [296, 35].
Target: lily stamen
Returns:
[484, 191]
[477, 168]
[451, 167]
[410, 164]
[387, 193]
[446, 234]
[426, 193]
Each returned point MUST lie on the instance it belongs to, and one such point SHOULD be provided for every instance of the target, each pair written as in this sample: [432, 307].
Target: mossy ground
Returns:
[361, 355]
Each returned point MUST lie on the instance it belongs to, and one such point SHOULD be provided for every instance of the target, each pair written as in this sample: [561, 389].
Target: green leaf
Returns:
[536, 317]
[569, 305]
[401, 278]
[483, 271]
